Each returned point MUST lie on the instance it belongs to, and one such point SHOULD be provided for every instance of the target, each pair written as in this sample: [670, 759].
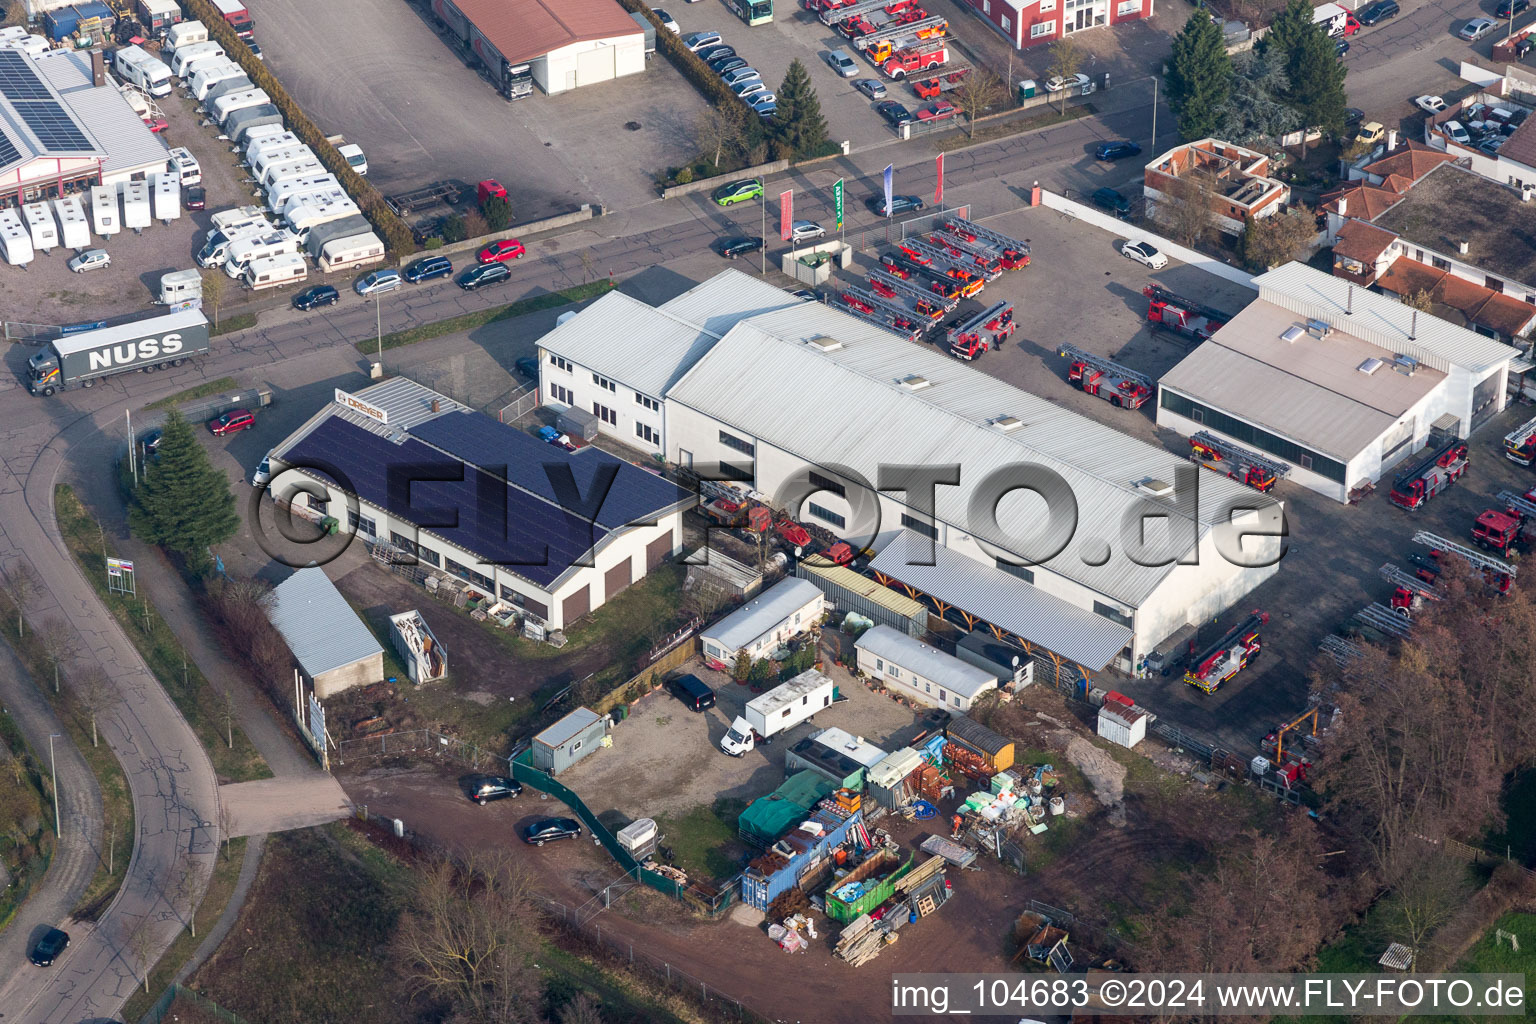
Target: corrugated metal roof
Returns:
[127, 141]
[866, 588]
[321, 629]
[526, 29]
[726, 299]
[569, 727]
[849, 745]
[933, 665]
[976, 736]
[846, 407]
[1310, 390]
[626, 340]
[762, 613]
[1004, 600]
[786, 693]
[1379, 320]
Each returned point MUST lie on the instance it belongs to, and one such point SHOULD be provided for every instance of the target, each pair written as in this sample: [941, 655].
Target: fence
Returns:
[525, 402]
[157, 1012]
[29, 334]
[664, 663]
[417, 741]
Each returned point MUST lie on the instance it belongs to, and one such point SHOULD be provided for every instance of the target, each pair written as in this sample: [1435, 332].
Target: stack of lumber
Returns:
[862, 941]
[919, 875]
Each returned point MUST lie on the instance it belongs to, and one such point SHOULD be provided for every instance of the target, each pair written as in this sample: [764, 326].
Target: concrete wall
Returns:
[365, 672]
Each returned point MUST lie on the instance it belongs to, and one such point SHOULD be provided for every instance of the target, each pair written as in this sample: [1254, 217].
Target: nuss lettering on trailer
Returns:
[133, 351]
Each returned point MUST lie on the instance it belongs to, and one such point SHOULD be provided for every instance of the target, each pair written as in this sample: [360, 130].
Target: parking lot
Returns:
[377, 72]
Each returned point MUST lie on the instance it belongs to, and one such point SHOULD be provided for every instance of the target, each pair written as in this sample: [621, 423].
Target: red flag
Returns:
[786, 212]
[938, 192]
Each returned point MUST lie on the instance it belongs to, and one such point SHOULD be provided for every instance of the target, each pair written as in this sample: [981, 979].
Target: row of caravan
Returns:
[42, 226]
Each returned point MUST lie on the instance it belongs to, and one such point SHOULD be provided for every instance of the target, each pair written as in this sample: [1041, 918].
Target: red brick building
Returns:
[1033, 22]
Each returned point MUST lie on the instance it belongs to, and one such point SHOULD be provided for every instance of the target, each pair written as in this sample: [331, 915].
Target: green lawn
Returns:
[698, 839]
[479, 318]
[212, 387]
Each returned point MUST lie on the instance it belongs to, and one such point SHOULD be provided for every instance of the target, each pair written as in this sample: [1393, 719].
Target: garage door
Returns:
[577, 605]
[594, 66]
[616, 579]
[658, 551]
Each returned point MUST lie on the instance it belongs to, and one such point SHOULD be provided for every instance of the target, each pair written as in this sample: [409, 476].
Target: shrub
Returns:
[433, 243]
[683, 176]
[497, 213]
[453, 229]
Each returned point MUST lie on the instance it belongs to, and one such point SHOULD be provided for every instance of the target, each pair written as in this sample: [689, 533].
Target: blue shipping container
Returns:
[61, 22]
[760, 890]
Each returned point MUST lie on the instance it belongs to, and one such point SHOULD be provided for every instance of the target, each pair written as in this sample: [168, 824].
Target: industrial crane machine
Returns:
[986, 330]
[1435, 470]
[1180, 315]
[1229, 655]
[1015, 252]
[1118, 385]
[1257, 471]
[1498, 573]
[1520, 443]
[1274, 743]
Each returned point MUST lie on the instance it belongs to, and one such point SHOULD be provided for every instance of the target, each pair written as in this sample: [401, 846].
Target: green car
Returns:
[738, 192]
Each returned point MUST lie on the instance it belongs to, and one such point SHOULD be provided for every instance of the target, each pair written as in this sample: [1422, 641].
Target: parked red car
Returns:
[232, 422]
[502, 250]
[157, 124]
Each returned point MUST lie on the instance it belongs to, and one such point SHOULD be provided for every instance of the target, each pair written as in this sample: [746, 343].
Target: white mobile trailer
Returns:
[783, 707]
[211, 75]
[325, 196]
[242, 122]
[165, 196]
[28, 43]
[74, 228]
[180, 288]
[276, 271]
[282, 167]
[186, 33]
[198, 63]
[135, 64]
[15, 240]
[305, 217]
[41, 225]
[351, 252]
[315, 237]
[11, 33]
[264, 140]
[244, 251]
[106, 218]
[317, 183]
[262, 134]
[269, 155]
[232, 83]
[230, 102]
[136, 205]
[192, 52]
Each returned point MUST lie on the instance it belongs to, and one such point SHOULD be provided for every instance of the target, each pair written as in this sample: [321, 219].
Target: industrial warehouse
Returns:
[553, 534]
[557, 45]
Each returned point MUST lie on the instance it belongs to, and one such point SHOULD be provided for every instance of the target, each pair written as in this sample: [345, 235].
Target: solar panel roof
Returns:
[528, 536]
[19, 80]
[54, 127]
[8, 152]
[609, 490]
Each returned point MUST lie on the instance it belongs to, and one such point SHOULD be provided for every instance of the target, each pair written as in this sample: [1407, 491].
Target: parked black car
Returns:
[1510, 8]
[1381, 10]
[427, 268]
[1108, 199]
[194, 197]
[715, 52]
[485, 788]
[1342, 46]
[899, 205]
[731, 248]
[692, 691]
[528, 367]
[1116, 150]
[48, 948]
[894, 113]
[484, 274]
[319, 295]
[547, 830]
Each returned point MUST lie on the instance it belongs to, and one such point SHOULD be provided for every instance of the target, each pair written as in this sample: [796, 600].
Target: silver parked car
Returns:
[91, 259]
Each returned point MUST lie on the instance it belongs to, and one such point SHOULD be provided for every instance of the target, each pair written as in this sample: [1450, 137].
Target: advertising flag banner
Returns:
[837, 202]
[938, 192]
[890, 171]
[786, 212]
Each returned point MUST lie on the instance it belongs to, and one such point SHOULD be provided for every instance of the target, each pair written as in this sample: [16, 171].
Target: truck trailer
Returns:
[234, 12]
[142, 345]
[781, 708]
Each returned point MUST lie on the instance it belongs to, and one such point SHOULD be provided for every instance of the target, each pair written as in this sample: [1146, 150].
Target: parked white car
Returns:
[1144, 253]
[1430, 104]
[805, 231]
[1074, 82]
[91, 259]
[1475, 29]
[667, 21]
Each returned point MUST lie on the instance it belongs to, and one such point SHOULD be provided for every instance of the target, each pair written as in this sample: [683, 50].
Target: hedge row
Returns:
[394, 232]
[699, 73]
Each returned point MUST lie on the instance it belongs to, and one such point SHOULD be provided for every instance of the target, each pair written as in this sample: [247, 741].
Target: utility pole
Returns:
[133, 463]
[764, 199]
[378, 320]
[1154, 115]
[54, 771]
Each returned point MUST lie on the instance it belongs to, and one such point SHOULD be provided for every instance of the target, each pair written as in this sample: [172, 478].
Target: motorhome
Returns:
[191, 53]
[275, 271]
[244, 251]
[135, 65]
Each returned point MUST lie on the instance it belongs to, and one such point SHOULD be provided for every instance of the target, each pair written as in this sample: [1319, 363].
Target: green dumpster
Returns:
[330, 524]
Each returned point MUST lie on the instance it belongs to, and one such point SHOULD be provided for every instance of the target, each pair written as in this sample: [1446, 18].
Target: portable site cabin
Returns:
[276, 271]
[15, 240]
[136, 205]
[578, 423]
[977, 738]
[351, 253]
[1121, 721]
[335, 648]
[181, 289]
[165, 196]
[185, 33]
[40, 225]
[423, 656]
[74, 229]
[242, 122]
[569, 740]
[841, 758]
[789, 607]
[106, 219]
[162, 15]
[892, 782]
[919, 672]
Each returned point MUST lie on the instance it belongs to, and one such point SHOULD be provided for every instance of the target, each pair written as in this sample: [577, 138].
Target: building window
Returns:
[508, 594]
[469, 575]
[605, 414]
[731, 471]
[828, 484]
[879, 665]
[1047, 6]
[562, 364]
[926, 529]
[575, 746]
[561, 394]
[321, 505]
[429, 556]
[402, 542]
[1494, 284]
[1418, 255]
[1043, 28]
[1112, 614]
[957, 702]
[893, 671]
[986, 6]
[604, 382]
[649, 403]
[732, 441]
[362, 524]
[1006, 23]
[645, 433]
[1247, 433]
[1440, 264]
[1129, 7]
[1027, 575]
[826, 515]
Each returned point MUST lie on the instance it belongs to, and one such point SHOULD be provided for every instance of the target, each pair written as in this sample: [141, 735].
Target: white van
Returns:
[192, 53]
[276, 271]
[245, 251]
[352, 252]
[185, 166]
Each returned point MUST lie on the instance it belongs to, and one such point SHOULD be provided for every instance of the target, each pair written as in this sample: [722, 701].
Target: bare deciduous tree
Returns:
[141, 945]
[720, 131]
[189, 890]
[58, 642]
[1424, 892]
[583, 1009]
[1419, 300]
[1066, 61]
[20, 583]
[978, 92]
[226, 825]
[94, 692]
[1184, 211]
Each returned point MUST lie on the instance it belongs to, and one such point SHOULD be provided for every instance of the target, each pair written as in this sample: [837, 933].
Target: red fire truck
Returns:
[1520, 444]
[986, 330]
[1436, 469]
[1118, 385]
[1180, 315]
[1217, 453]
[1229, 655]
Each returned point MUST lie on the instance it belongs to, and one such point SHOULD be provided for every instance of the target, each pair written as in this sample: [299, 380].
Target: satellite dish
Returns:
[797, 552]
[1015, 661]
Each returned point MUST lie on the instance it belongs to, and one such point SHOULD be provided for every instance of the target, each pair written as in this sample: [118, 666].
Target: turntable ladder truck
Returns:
[1118, 385]
[1182, 316]
[970, 278]
[837, 15]
[914, 292]
[1411, 591]
[873, 308]
[925, 312]
[1015, 252]
[1229, 655]
[1497, 572]
[1222, 456]
[880, 42]
[977, 260]
[1435, 470]
[986, 330]
[1520, 503]
[1520, 444]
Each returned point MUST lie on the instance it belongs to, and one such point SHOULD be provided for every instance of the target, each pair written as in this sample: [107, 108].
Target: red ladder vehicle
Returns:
[975, 257]
[1503, 530]
[1015, 253]
[911, 60]
[1180, 315]
[1229, 655]
[1520, 444]
[1498, 573]
[1411, 591]
[1217, 453]
[921, 297]
[986, 330]
[958, 267]
[1435, 470]
[1104, 378]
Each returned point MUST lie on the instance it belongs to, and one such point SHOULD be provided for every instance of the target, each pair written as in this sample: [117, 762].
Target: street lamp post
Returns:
[54, 771]
[378, 320]
[1154, 114]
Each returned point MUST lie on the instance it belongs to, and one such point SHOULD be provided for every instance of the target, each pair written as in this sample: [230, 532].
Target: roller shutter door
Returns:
[577, 605]
[616, 579]
[594, 66]
[658, 551]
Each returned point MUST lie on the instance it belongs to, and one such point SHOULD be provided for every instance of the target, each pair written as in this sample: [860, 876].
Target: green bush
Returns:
[453, 229]
[394, 232]
[683, 176]
[433, 243]
[497, 213]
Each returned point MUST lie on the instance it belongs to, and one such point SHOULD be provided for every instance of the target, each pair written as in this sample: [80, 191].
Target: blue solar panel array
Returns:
[633, 497]
[18, 78]
[536, 540]
[9, 154]
[54, 127]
